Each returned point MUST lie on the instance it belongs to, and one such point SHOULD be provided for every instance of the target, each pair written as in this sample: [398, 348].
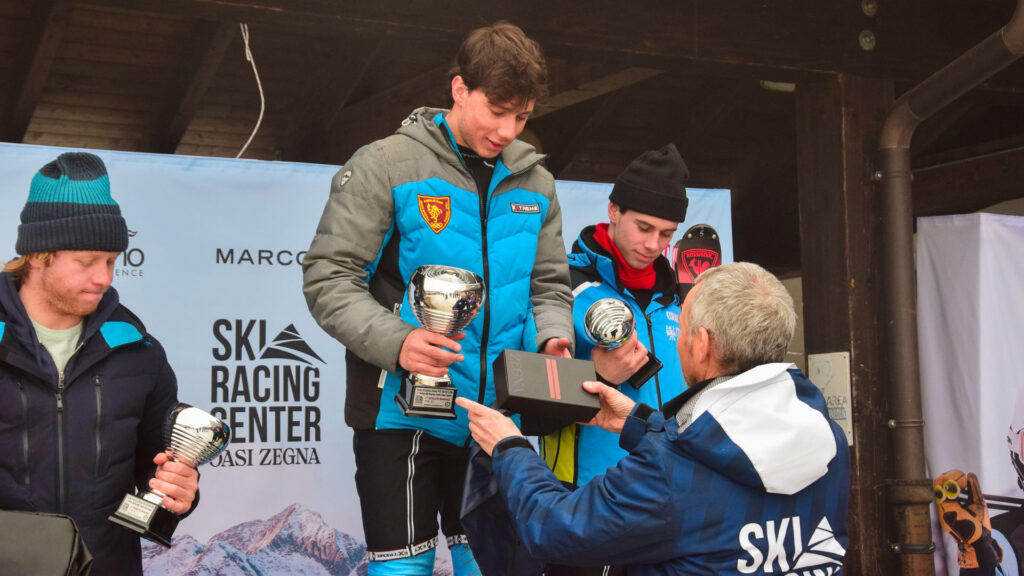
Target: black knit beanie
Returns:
[70, 208]
[655, 184]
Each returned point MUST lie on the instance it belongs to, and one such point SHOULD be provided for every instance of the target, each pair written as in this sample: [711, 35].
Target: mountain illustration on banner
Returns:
[289, 345]
[295, 541]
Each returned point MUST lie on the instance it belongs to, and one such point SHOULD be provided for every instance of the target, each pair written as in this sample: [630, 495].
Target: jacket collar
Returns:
[428, 126]
[588, 248]
[18, 338]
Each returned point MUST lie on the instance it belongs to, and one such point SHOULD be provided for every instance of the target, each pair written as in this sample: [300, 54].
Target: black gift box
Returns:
[546, 391]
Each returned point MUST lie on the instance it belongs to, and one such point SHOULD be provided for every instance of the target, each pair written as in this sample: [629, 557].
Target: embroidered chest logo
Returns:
[525, 208]
[436, 211]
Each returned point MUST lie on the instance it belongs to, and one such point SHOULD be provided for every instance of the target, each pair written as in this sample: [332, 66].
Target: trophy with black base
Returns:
[609, 323]
[193, 436]
[445, 300]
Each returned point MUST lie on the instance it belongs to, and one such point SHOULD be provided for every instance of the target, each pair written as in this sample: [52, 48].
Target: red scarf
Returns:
[631, 278]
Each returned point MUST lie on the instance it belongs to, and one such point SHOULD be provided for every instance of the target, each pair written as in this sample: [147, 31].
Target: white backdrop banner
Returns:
[213, 269]
[970, 315]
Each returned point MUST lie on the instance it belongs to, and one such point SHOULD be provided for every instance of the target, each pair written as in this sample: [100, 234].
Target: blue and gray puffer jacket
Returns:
[409, 200]
[77, 444]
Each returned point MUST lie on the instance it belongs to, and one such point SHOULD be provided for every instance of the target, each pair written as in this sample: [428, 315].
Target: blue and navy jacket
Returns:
[578, 453]
[409, 200]
[77, 444]
[757, 483]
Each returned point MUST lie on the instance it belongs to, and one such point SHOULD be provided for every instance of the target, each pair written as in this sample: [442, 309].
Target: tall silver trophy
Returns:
[193, 436]
[609, 323]
[445, 300]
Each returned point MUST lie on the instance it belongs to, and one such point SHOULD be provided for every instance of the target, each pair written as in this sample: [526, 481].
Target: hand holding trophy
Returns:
[609, 323]
[444, 299]
[193, 436]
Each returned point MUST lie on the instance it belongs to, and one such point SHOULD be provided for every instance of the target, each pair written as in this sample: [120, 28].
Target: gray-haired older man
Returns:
[744, 473]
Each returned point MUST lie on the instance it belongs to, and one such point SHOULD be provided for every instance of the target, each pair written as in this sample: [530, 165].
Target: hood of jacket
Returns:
[765, 428]
[16, 328]
[428, 126]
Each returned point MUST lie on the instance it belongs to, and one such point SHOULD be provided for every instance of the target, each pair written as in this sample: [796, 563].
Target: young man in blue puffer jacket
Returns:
[454, 188]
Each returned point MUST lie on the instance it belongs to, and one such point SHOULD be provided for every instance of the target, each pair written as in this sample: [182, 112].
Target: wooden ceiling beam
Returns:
[966, 153]
[785, 40]
[324, 106]
[933, 128]
[216, 37]
[380, 114]
[666, 33]
[365, 118]
[49, 21]
[593, 89]
[969, 185]
[562, 157]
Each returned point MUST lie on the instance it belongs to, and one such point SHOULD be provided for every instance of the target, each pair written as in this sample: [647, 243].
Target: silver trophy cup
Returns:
[193, 436]
[445, 300]
[609, 323]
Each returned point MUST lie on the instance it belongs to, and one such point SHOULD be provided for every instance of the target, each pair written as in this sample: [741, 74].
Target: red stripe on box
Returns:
[555, 391]
[551, 381]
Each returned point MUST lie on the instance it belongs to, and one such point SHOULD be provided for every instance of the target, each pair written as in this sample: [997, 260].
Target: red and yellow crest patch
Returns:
[436, 211]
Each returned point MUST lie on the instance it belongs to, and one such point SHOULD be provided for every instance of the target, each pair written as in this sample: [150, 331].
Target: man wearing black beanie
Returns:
[623, 259]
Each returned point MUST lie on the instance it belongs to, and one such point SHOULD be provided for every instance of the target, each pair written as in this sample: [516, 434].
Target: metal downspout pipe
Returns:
[910, 492]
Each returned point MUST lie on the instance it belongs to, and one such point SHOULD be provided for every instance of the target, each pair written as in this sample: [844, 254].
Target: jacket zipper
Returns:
[60, 441]
[650, 338]
[484, 202]
[60, 431]
[484, 198]
[99, 423]
[24, 431]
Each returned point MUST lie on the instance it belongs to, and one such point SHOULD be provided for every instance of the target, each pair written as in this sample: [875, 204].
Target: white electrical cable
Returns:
[248, 56]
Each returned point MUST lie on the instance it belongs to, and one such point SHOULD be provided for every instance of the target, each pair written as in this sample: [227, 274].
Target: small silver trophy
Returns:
[445, 300]
[193, 436]
[609, 323]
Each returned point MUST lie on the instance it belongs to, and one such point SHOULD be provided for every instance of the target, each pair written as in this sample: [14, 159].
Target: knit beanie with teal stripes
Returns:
[70, 208]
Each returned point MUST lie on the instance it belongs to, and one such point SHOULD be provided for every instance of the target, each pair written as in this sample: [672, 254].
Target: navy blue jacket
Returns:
[77, 449]
[758, 483]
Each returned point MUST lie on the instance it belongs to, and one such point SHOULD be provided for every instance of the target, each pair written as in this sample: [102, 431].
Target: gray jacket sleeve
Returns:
[348, 241]
[549, 284]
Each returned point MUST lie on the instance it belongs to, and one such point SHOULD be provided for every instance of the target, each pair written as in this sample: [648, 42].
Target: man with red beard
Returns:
[623, 259]
[84, 389]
